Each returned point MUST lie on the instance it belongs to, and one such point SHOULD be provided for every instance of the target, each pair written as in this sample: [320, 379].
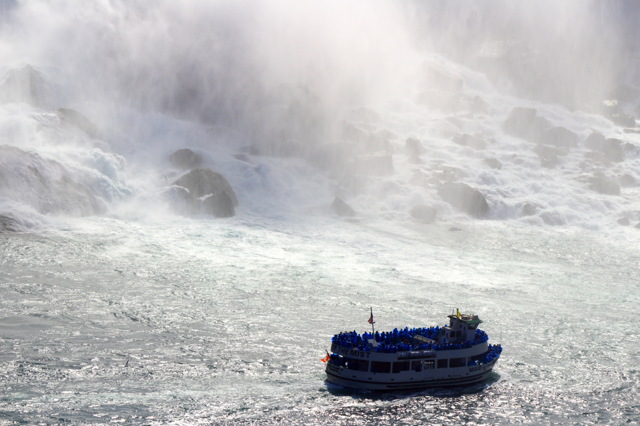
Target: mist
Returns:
[297, 98]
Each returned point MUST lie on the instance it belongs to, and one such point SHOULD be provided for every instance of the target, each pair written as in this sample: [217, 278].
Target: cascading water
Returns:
[409, 156]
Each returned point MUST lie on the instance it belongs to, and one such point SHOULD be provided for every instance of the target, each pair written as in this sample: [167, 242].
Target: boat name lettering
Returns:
[478, 367]
[353, 353]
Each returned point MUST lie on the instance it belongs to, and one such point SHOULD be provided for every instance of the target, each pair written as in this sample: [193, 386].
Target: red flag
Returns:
[326, 358]
[371, 319]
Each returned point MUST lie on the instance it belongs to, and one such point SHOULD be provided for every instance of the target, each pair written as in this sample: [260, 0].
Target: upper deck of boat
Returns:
[406, 340]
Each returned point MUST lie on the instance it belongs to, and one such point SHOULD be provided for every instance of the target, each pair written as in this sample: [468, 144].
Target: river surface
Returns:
[206, 322]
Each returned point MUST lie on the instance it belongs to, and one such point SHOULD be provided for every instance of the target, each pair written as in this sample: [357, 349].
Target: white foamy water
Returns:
[195, 322]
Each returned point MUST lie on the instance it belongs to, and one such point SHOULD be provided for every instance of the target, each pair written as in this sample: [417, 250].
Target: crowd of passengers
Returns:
[492, 353]
[402, 340]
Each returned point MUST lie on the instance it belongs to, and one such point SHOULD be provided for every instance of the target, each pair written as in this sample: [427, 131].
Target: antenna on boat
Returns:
[372, 322]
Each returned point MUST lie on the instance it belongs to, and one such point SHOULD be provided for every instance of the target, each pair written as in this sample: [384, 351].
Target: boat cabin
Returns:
[461, 328]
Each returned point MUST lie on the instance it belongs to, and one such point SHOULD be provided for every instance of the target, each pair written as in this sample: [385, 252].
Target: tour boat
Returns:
[457, 354]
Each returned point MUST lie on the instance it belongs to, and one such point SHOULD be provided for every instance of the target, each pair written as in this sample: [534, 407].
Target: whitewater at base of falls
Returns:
[216, 322]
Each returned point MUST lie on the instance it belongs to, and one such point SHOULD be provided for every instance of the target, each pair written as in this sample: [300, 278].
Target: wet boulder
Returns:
[559, 137]
[604, 185]
[525, 123]
[611, 149]
[8, 224]
[423, 213]
[342, 209]
[465, 198]
[185, 159]
[494, 163]
[548, 155]
[73, 118]
[623, 119]
[413, 148]
[24, 84]
[203, 191]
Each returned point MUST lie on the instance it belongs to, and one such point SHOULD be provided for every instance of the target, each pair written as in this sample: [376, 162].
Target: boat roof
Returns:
[466, 318]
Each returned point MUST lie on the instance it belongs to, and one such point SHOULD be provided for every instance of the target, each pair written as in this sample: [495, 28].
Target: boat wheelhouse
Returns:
[456, 354]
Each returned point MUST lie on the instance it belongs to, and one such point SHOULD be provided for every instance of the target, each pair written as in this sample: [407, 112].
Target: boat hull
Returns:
[338, 377]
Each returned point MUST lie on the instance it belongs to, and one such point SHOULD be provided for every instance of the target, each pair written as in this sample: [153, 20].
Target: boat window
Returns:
[457, 362]
[428, 365]
[380, 367]
[401, 366]
[442, 363]
[416, 365]
[356, 364]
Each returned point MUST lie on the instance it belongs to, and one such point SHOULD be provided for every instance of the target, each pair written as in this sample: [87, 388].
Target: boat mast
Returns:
[372, 322]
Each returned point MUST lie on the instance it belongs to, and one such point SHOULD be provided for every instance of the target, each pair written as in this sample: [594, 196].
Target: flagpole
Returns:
[373, 329]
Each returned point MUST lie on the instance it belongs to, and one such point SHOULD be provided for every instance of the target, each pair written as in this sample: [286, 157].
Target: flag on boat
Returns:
[371, 321]
[326, 358]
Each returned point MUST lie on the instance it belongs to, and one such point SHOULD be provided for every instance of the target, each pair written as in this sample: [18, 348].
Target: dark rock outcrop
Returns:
[24, 84]
[604, 185]
[203, 191]
[424, 213]
[342, 209]
[559, 137]
[610, 149]
[494, 163]
[414, 149]
[548, 155]
[8, 224]
[525, 123]
[71, 117]
[627, 180]
[51, 187]
[465, 198]
[623, 119]
[185, 159]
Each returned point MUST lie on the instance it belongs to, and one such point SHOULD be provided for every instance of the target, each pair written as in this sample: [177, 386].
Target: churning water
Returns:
[201, 322]
[482, 155]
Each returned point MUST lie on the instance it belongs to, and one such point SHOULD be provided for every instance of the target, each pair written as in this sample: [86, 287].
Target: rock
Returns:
[594, 140]
[423, 213]
[525, 123]
[51, 187]
[413, 147]
[559, 137]
[185, 159]
[623, 119]
[494, 163]
[624, 221]
[613, 149]
[465, 198]
[610, 149]
[71, 117]
[548, 155]
[470, 141]
[342, 209]
[529, 209]
[604, 185]
[627, 180]
[24, 84]
[202, 191]
[331, 156]
[8, 224]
